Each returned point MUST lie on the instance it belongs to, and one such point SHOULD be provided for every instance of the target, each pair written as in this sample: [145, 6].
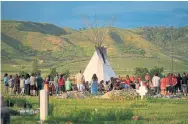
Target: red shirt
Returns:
[61, 82]
[144, 84]
[170, 79]
[132, 78]
[163, 83]
[127, 81]
[174, 81]
[167, 80]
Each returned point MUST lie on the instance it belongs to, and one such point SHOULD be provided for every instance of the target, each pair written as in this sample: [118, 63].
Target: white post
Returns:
[2, 101]
[43, 105]
[142, 90]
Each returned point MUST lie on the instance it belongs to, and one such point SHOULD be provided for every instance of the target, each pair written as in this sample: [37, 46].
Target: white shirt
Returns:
[106, 87]
[27, 81]
[156, 81]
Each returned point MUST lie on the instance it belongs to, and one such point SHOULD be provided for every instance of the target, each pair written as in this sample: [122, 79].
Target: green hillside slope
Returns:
[68, 48]
[170, 39]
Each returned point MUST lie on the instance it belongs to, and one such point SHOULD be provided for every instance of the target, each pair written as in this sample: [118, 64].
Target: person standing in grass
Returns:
[27, 84]
[94, 85]
[68, 85]
[56, 84]
[46, 83]
[184, 84]
[16, 84]
[178, 86]
[61, 84]
[168, 84]
[148, 82]
[32, 84]
[156, 83]
[22, 84]
[11, 84]
[6, 83]
[174, 83]
[39, 83]
[163, 86]
[79, 78]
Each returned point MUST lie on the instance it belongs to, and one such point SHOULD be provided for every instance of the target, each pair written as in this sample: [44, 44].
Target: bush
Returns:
[53, 72]
[22, 73]
[67, 73]
[141, 72]
[35, 69]
[155, 70]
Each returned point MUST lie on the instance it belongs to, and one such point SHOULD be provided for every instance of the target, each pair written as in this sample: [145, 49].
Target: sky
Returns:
[126, 14]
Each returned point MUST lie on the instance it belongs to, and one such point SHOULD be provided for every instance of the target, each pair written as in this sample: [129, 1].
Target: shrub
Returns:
[155, 70]
[53, 72]
[22, 73]
[35, 69]
[141, 72]
[67, 73]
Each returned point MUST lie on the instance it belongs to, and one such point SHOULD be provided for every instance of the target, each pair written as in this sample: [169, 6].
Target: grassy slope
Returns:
[62, 47]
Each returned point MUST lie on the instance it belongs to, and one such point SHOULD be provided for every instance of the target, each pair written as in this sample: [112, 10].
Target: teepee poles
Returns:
[97, 35]
[94, 38]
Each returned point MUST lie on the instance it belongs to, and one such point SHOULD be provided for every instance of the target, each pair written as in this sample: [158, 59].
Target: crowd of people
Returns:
[32, 84]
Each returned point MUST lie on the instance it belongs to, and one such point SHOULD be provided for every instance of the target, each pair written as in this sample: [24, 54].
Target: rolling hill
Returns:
[68, 48]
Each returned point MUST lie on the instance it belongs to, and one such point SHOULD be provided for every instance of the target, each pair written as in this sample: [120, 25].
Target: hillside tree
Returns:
[155, 70]
[141, 72]
[35, 68]
[53, 72]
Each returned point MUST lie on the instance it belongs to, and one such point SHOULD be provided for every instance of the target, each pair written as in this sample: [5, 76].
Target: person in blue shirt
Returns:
[94, 85]
[6, 83]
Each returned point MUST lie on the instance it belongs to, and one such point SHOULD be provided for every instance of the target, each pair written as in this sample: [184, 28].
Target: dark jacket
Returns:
[179, 80]
[184, 80]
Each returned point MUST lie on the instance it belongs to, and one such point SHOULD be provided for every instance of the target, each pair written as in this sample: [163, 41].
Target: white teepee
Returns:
[99, 65]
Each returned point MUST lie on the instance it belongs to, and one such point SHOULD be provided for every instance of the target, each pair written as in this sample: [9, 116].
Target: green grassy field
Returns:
[152, 111]
[103, 111]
